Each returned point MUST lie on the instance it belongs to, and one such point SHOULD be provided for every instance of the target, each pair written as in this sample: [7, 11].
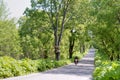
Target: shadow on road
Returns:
[85, 67]
[83, 71]
[79, 70]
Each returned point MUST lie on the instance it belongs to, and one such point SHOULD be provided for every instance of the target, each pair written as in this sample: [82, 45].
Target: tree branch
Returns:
[65, 8]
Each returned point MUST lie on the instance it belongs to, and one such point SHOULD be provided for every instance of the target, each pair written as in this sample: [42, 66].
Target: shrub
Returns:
[11, 67]
[105, 69]
[61, 63]
[41, 65]
[5, 66]
[28, 65]
[49, 64]
[108, 71]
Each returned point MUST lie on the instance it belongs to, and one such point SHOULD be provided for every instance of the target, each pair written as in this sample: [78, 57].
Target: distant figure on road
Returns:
[76, 60]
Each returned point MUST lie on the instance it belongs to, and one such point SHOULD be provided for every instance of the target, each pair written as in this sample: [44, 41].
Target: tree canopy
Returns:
[105, 27]
[9, 37]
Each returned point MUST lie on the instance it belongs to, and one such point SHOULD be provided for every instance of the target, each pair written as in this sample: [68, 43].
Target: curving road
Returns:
[83, 71]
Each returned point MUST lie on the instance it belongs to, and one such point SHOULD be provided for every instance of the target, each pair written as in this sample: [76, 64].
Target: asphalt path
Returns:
[83, 71]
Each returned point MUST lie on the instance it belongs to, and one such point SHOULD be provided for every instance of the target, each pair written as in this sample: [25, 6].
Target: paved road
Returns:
[83, 71]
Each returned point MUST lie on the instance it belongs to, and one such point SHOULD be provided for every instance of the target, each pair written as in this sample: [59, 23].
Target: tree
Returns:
[105, 27]
[78, 23]
[9, 41]
[3, 10]
[35, 33]
[9, 38]
[58, 13]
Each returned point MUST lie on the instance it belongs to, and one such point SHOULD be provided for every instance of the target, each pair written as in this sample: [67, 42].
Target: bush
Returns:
[42, 65]
[11, 67]
[105, 69]
[28, 65]
[49, 64]
[108, 71]
[61, 63]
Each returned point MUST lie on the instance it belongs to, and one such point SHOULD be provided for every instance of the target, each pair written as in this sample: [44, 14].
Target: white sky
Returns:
[17, 7]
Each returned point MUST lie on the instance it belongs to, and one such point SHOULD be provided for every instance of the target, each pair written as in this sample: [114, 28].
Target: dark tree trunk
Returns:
[111, 58]
[70, 51]
[57, 53]
[118, 57]
[57, 56]
[83, 47]
[71, 47]
[58, 23]
[45, 55]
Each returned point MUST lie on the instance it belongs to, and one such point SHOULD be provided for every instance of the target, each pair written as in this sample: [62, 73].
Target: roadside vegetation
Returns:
[52, 32]
[10, 67]
[106, 33]
[106, 69]
[45, 37]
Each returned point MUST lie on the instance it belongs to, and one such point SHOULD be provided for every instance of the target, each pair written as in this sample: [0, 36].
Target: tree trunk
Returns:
[71, 41]
[57, 53]
[82, 48]
[111, 58]
[118, 57]
[70, 51]
[57, 26]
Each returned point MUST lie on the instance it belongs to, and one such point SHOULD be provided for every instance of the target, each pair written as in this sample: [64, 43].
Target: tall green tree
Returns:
[58, 13]
[105, 27]
[36, 38]
[78, 23]
[3, 10]
[9, 38]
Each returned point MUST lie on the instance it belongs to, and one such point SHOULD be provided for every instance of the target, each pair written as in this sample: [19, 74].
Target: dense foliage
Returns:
[9, 37]
[35, 33]
[105, 15]
[105, 69]
[105, 27]
[10, 67]
[57, 30]
[3, 10]
[46, 31]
